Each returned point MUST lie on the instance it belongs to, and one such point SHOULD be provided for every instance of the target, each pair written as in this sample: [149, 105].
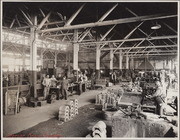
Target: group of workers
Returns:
[62, 83]
[53, 82]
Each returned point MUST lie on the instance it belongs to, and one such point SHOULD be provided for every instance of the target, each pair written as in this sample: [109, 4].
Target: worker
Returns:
[53, 81]
[113, 77]
[93, 80]
[80, 82]
[46, 83]
[159, 97]
[58, 84]
[85, 77]
[64, 88]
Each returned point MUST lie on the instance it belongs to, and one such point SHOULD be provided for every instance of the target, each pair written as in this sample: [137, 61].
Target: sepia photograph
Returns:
[89, 69]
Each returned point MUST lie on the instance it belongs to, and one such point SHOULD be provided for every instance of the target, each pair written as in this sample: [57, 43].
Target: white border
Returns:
[178, 42]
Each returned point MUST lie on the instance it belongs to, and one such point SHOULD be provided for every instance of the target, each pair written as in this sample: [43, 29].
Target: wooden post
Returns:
[24, 57]
[127, 62]
[111, 59]
[172, 64]
[75, 53]
[120, 59]
[69, 70]
[132, 64]
[169, 64]
[33, 57]
[41, 57]
[55, 62]
[98, 54]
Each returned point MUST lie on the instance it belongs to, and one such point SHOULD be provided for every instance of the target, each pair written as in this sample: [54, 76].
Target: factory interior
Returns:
[90, 69]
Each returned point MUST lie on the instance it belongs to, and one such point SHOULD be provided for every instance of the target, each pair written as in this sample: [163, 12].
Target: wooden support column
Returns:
[172, 64]
[98, 54]
[33, 58]
[75, 53]
[69, 70]
[41, 57]
[55, 59]
[127, 62]
[132, 64]
[120, 59]
[169, 64]
[111, 59]
[164, 64]
[23, 59]
[55, 62]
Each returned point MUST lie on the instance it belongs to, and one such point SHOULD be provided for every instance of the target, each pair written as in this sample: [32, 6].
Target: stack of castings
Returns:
[75, 101]
[64, 113]
[69, 110]
[109, 99]
[98, 130]
[106, 99]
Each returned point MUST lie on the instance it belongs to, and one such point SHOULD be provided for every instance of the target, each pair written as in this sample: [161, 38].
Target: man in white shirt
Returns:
[46, 83]
[53, 81]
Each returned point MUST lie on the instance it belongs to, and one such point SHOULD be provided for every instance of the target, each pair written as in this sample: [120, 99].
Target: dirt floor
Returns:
[80, 126]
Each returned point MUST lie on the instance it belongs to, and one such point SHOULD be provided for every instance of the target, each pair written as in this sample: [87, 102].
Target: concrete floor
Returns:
[29, 116]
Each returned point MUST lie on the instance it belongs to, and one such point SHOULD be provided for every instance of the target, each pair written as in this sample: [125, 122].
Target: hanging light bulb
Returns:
[156, 27]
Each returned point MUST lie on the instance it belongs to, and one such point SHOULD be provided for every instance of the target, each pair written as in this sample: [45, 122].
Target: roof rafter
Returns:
[109, 22]
[74, 16]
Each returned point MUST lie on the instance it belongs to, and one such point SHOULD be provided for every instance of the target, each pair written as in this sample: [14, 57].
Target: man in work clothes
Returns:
[64, 88]
[46, 83]
[93, 80]
[159, 97]
[113, 77]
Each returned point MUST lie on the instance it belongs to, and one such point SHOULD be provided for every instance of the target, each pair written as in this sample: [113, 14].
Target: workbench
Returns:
[56, 90]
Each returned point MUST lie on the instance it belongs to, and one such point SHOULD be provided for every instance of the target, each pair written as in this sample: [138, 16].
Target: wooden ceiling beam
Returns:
[12, 23]
[106, 34]
[27, 18]
[140, 47]
[129, 40]
[43, 21]
[74, 16]
[100, 20]
[128, 35]
[109, 22]
[104, 54]
[170, 27]
[107, 13]
[131, 12]
[18, 21]
[160, 51]
[162, 54]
